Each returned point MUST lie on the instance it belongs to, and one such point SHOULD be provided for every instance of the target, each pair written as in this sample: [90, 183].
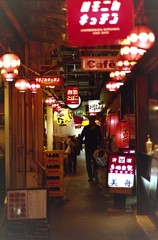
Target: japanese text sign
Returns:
[98, 23]
[94, 106]
[121, 171]
[50, 80]
[72, 95]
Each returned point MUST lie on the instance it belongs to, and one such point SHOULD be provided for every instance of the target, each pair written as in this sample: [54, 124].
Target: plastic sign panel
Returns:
[50, 80]
[121, 171]
[106, 63]
[72, 95]
[98, 23]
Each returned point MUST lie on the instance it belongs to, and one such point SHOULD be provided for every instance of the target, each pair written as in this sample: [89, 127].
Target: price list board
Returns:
[27, 204]
[27, 215]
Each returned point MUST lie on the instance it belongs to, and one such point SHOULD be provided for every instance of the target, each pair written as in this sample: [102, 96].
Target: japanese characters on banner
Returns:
[121, 171]
[72, 95]
[50, 80]
[92, 23]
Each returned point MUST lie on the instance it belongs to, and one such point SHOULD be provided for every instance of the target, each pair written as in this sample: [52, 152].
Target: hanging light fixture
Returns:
[50, 100]
[131, 53]
[22, 85]
[117, 75]
[9, 63]
[55, 105]
[125, 65]
[142, 37]
[34, 86]
[113, 86]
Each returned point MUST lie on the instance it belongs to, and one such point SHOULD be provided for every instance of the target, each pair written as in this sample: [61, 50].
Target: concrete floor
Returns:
[87, 212]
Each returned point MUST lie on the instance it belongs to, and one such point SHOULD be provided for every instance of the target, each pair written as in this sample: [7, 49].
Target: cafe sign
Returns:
[98, 63]
[98, 23]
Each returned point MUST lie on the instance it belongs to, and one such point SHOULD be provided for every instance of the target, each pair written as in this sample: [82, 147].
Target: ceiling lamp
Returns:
[50, 100]
[22, 85]
[34, 86]
[117, 75]
[9, 63]
[113, 86]
[131, 53]
[142, 37]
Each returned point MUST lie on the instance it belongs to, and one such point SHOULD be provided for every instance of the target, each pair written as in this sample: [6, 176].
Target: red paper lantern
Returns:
[50, 100]
[113, 86]
[131, 53]
[122, 134]
[9, 63]
[117, 75]
[34, 86]
[112, 120]
[124, 64]
[22, 85]
[142, 37]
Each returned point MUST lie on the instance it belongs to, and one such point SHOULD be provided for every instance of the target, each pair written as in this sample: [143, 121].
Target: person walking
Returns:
[92, 138]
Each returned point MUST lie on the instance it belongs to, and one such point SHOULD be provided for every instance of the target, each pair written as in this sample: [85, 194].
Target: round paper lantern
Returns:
[9, 63]
[122, 134]
[142, 37]
[131, 53]
[112, 120]
[22, 85]
[125, 65]
[34, 86]
[117, 75]
[113, 86]
[50, 100]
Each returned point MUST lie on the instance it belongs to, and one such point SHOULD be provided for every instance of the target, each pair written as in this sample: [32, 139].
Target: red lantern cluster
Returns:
[142, 37]
[117, 75]
[22, 85]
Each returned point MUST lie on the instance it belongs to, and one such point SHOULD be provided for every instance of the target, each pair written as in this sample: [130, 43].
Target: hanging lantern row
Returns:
[53, 103]
[23, 84]
[140, 39]
[113, 86]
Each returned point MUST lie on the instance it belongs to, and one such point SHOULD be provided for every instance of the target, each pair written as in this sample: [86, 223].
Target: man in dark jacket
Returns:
[91, 134]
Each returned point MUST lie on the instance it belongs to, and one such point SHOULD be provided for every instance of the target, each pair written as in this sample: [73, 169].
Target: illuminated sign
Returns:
[94, 106]
[72, 96]
[75, 106]
[103, 22]
[107, 63]
[50, 80]
[121, 171]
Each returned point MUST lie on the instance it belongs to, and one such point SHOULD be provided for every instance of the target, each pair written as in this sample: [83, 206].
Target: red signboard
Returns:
[98, 23]
[121, 171]
[50, 80]
[72, 95]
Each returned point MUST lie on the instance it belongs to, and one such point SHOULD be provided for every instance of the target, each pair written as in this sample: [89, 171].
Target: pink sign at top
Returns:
[98, 23]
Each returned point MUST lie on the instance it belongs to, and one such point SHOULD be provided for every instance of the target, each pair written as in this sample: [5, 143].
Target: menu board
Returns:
[27, 204]
[121, 171]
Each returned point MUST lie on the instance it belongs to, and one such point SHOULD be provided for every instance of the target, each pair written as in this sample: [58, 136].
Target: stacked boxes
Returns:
[54, 165]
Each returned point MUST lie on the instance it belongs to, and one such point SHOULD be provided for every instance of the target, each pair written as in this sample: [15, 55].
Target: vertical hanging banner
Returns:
[72, 95]
[98, 23]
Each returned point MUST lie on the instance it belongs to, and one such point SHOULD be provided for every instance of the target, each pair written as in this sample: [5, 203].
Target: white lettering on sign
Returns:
[98, 63]
[108, 12]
